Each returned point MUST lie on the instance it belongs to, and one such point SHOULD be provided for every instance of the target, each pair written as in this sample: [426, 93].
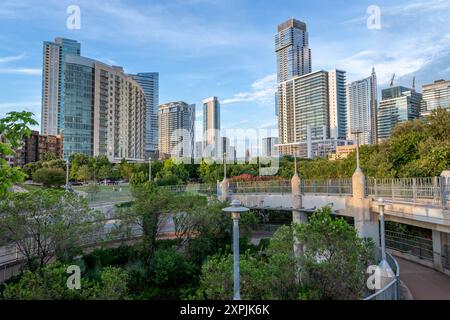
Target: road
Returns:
[424, 283]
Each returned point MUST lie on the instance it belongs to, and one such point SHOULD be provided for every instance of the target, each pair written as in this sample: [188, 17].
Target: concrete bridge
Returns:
[418, 202]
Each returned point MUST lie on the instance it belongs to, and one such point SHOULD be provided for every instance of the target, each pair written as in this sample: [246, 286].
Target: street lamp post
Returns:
[150, 169]
[383, 241]
[357, 133]
[67, 174]
[236, 210]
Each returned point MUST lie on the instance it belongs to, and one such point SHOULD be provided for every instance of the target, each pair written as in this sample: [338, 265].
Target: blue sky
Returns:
[223, 47]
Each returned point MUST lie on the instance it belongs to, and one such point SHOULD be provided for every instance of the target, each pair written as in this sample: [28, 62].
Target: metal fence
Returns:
[446, 257]
[272, 186]
[205, 189]
[433, 191]
[416, 246]
[392, 290]
[334, 186]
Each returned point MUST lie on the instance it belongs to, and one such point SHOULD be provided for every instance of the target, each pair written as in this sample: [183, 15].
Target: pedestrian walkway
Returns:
[424, 283]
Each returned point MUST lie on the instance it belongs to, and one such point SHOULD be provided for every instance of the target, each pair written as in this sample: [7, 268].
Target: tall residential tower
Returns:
[211, 127]
[293, 60]
[53, 69]
[176, 122]
[362, 109]
[149, 82]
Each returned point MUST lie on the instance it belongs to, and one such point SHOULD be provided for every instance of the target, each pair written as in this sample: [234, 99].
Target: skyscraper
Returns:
[149, 81]
[268, 147]
[292, 50]
[53, 70]
[398, 104]
[105, 111]
[362, 109]
[176, 122]
[338, 104]
[435, 95]
[293, 60]
[211, 126]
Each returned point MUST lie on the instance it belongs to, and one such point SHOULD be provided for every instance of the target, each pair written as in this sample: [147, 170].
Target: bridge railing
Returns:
[272, 186]
[392, 290]
[328, 187]
[433, 191]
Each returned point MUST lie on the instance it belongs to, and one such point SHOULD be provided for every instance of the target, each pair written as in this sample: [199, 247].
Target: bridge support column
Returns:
[297, 215]
[437, 250]
[366, 222]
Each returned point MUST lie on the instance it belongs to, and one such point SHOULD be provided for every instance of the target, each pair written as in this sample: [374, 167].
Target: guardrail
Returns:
[432, 191]
[392, 290]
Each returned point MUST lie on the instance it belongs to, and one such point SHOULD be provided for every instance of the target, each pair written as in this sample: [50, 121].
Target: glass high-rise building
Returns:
[435, 95]
[292, 50]
[53, 70]
[149, 81]
[79, 111]
[338, 104]
[293, 60]
[105, 111]
[398, 104]
[311, 103]
[211, 127]
[362, 109]
[97, 108]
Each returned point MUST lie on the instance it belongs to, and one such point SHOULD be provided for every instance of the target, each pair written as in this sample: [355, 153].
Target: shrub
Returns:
[50, 177]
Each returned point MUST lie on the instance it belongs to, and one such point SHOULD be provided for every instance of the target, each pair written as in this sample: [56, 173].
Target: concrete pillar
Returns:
[225, 194]
[437, 250]
[297, 216]
[365, 221]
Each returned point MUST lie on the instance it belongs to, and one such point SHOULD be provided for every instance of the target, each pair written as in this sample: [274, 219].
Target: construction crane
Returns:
[392, 80]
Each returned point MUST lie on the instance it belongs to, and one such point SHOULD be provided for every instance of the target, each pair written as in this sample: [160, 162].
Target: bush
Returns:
[50, 177]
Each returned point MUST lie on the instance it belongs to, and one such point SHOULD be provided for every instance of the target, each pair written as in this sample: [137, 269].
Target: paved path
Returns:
[424, 283]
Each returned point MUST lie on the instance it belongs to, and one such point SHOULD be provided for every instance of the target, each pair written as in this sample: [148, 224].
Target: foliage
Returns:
[216, 282]
[50, 283]
[44, 222]
[335, 259]
[50, 177]
[13, 128]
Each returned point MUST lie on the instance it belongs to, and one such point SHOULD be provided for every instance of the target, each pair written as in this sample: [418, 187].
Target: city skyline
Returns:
[247, 84]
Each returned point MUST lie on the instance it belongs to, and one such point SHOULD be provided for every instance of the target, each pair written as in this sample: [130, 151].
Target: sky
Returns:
[224, 48]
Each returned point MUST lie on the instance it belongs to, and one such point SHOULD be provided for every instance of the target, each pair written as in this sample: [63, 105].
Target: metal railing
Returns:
[413, 245]
[272, 186]
[432, 191]
[329, 187]
[200, 188]
[392, 290]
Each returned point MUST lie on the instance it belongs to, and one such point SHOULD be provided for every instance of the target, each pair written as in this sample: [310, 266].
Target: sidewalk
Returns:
[424, 283]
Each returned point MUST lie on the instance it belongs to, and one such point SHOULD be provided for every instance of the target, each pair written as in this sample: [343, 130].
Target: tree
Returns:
[13, 128]
[50, 177]
[45, 223]
[334, 260]
[150, 204]
[216, 280]
[50, 283]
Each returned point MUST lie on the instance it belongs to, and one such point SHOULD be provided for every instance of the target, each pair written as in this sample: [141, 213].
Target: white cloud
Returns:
[12, 58]
[25, 71]
[263, 90]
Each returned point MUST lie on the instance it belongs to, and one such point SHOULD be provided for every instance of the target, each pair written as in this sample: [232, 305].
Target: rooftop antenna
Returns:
[414, 83]
[392, 80]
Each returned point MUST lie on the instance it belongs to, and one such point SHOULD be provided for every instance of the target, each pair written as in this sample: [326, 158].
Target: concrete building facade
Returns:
[176, 121]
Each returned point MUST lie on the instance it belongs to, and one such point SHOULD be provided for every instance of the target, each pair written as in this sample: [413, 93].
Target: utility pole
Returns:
[150, 169]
